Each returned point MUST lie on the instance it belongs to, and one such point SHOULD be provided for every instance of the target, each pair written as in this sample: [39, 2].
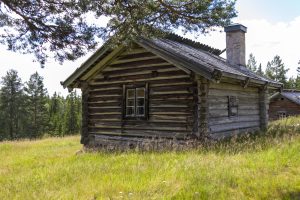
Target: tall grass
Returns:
[264, 167]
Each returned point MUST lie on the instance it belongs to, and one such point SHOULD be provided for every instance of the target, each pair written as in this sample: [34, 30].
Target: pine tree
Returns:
[11, 96]
[276, 70]
[260, 71]
[36, 99]
[71, 118]
[62, 27]
[252, 64]
[297, 81]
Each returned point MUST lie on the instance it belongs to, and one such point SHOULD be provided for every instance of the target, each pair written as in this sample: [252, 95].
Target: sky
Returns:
[273, 29]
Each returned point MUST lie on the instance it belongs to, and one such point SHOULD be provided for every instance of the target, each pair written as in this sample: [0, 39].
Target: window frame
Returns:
[233, 102]
[282, 114]
[127, 87]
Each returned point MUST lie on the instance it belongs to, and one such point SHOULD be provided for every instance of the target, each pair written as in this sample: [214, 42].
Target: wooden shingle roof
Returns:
[194, 56]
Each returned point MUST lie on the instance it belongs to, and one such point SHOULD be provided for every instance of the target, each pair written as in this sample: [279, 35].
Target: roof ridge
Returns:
[192, 43]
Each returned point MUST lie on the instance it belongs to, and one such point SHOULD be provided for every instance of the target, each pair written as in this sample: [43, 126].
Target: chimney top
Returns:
[235, 27]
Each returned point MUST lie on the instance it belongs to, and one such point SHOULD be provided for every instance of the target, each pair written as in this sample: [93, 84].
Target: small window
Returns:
[232, 106]
[135, 101]
[281, 114]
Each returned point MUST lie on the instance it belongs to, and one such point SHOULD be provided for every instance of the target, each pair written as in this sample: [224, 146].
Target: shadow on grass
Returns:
[295, 195]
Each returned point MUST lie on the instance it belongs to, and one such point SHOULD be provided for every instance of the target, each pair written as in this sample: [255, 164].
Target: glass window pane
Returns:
[140, 92]
[141, 102]
[140, 111]
[130, 93]
[130, 102]
[130, 111]
[234, 111]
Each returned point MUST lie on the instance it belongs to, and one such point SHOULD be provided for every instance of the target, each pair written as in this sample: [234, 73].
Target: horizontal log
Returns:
[142, 133]
[105, 104]
[224, 106]
[136, 59]
[140, 76]
[234, 126]
[187, 88]
[104, 98]
[111, 87]
[139, 63]
[110, 69]
[137, 69]
[226, 134]
[171, 96]
[224, 99]
[166, 78]
[136, 55]
[225, 120]
[232, 87]
[106, 116]
[171, 109]
[168, 103]
[93, 110]
[224, 113]
[141, 73]
[218, 93]
[156, 117]
[106, 92]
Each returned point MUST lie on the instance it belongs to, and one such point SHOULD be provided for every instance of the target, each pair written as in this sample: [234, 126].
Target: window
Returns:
[281, 114]
[135, 101]
[232, 106]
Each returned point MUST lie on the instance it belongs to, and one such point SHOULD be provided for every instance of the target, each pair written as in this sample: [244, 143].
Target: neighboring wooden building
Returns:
[170, 88]
[284, 104]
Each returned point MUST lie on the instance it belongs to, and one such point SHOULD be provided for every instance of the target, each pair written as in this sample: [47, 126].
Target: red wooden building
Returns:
[284, 104]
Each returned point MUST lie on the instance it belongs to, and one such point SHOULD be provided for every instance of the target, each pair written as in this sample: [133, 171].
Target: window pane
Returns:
[234, 111]
[130, 93]
[140, 111]
[141, 102]
[130, 102]
[130, 111]
[140, 92]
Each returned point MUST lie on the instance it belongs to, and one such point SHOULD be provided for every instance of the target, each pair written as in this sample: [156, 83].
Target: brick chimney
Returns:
[235, 44]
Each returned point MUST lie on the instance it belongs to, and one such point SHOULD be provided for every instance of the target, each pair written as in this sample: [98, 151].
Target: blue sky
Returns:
[271, 10]
[273, 29]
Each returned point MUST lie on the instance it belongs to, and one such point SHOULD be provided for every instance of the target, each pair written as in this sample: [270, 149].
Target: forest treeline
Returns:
[27, 111]
[275, 70]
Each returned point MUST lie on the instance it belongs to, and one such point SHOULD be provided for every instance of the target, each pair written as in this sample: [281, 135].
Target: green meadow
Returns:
[265, 167]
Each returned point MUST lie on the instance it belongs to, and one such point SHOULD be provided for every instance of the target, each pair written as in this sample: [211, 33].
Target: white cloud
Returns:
[265, 40]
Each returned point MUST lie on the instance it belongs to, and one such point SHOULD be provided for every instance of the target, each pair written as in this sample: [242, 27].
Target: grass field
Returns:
[266, 168]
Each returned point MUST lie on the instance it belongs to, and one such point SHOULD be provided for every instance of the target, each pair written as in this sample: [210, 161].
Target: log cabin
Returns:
[284, 104]
[170, 88]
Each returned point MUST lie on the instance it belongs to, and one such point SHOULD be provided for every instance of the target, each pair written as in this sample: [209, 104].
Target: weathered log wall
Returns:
[171, 97]
[248, 118]
[282, 104]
